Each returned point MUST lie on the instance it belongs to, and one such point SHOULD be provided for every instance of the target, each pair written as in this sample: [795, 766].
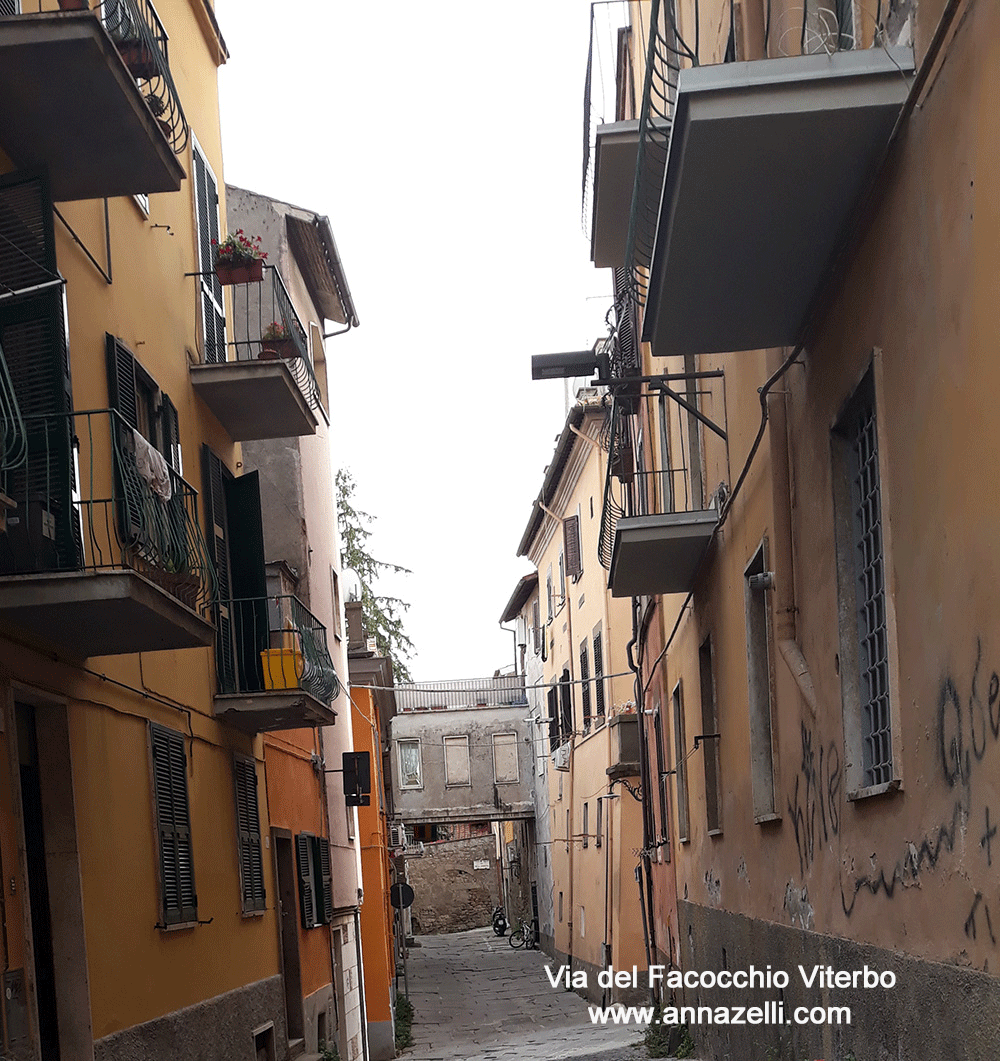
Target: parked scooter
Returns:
[499, 921]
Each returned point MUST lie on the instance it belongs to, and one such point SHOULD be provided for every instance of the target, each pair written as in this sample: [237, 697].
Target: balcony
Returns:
[273, 667]
[101, 551]
[768, 160]
[623, 731]
[656, 525]
[259, 382]
[88, 95]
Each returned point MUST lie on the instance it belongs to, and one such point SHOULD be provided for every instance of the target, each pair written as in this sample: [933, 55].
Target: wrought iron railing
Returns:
[13, 435]
[265, 326]
[268, 644]
[675, 428]
[504, 690]
[141, 40]
[91, 495]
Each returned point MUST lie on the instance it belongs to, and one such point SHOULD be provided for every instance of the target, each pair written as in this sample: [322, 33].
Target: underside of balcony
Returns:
[767, 161]
[273, 710]
[68, 103]
[660, 553]
[86, 613]
[614, 177]
[254, 399]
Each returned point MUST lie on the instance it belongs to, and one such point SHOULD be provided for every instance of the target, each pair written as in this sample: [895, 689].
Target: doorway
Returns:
[284, 865]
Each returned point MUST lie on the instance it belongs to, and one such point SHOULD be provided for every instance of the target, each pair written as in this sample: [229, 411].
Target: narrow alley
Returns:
[475, 998]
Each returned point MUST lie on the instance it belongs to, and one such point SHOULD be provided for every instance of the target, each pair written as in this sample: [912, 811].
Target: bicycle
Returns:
[523, 935]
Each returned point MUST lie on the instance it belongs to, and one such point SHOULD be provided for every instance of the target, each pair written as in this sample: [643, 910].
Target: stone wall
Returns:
[450, 894]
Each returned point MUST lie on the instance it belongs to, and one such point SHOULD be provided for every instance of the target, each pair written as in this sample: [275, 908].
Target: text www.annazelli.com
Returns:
[769, 1013]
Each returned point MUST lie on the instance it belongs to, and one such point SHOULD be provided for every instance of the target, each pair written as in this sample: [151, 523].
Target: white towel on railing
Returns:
[151, 466]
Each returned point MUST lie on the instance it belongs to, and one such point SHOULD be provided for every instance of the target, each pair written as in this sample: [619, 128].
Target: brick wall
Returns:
[450, 894]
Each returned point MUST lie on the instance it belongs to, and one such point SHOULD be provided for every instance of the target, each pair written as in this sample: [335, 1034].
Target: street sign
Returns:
[401, 896]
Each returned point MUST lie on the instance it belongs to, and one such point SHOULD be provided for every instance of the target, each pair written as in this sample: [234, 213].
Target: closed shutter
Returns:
[215, 474]
[585, 679]
[307, 890]
[553, 696]
[207, 209]
[253, 897]
[324, 879]
[598, 673]
[171, 432]
[566, 697]
[571, 545]
[122, 398]
[121, 381]
[33, 340]
[9, 7]
[173, 824]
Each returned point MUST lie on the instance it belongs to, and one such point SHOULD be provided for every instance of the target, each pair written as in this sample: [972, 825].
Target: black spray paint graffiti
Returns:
[965, 726]
[815, 803]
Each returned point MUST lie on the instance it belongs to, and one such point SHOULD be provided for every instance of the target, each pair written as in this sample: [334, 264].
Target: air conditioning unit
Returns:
[561, 757]
[397, 836]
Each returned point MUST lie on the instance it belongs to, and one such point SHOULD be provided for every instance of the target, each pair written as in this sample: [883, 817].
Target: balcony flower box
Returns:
[239, 259]
[74, 5]
[276, 342]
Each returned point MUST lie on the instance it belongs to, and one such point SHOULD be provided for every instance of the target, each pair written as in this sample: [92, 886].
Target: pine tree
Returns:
[382, 614]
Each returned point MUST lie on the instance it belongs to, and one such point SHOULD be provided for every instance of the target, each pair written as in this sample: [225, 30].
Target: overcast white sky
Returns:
[444, 141]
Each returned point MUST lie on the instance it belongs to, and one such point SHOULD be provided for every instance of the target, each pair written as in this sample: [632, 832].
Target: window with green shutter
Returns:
[178, 899]
[253, 898]
[315, 879]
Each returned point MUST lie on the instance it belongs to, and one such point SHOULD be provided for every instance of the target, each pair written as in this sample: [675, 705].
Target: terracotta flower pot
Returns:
[240, 272]
[139, 59]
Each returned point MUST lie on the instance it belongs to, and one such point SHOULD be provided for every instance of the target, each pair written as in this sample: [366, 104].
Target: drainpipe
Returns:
[785, 633]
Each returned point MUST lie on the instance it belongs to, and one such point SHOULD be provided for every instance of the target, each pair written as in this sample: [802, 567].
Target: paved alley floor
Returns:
[475, 998]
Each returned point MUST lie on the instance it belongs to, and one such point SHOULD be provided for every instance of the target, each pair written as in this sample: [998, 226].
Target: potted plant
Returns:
[158, 109]
[277, 341]
[239, 259]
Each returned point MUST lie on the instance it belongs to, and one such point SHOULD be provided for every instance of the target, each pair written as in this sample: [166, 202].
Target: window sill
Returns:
[765, 819]
[715, 832]
[180, 926]
[887, 788]
[248, 915]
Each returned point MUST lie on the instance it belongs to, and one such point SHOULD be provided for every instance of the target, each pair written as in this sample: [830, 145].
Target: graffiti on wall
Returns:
[815, 802]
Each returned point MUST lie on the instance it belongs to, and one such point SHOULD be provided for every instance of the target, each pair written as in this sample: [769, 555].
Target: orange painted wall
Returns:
[296, 802]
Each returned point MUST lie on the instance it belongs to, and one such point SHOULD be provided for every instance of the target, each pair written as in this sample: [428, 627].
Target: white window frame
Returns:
[420, 763]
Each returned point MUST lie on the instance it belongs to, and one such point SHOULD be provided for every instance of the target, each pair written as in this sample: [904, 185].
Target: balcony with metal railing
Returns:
[758, 137]
[502, 690]
[656, 525]
[273, 665]
[101, 552]
[257, 376]
[88, 94]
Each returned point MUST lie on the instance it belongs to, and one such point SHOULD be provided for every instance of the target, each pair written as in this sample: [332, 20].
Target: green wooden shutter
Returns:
[599, 672]
[248, 579]
[214, 475]
[253, 897]
[121, 380]
[207, 207]
[553, 698]
[571, 545]
[307, 890]
[173, 825]
[33, 338]
[324, 879]
[171, 432]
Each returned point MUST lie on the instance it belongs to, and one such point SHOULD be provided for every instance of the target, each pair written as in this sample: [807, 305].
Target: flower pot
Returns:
[240, 272]
[139, 59]
[282, 347]
[165, 128]
[74, 5]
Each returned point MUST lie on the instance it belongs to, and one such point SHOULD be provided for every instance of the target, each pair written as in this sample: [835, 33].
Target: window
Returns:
[680, 765]
[315, 880]
[560, 906]
[759, 668]
[586, 825]
[140, 404]
[252, 896]
[571, 545]
[548, 592]
[598, 672]
[410, 765]
[583, 922]
[553, 698]
[710, 747]
[206, 202]
[562, 578]
[338, 632]
[566, 699]
[865, 631]
[569, 830]
[599, 831]
[585, 685]
[178, 899]
[505, 770]
[456, 761]
[537, 640]
[661, 775]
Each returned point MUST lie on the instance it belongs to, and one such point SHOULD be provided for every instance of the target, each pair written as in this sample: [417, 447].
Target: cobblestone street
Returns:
[477, 999]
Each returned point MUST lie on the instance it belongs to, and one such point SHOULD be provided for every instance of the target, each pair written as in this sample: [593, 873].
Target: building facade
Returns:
[811, 280]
